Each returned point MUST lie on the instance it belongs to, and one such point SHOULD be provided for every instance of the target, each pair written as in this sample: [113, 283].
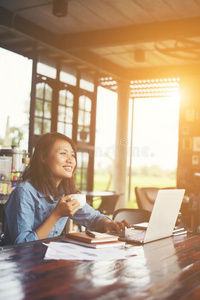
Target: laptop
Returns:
[163, 218]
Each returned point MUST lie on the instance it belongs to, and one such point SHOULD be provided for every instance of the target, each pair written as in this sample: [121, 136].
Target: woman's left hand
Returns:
[106, 225]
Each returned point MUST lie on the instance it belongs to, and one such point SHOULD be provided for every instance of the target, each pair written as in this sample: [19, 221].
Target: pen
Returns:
[89, 233]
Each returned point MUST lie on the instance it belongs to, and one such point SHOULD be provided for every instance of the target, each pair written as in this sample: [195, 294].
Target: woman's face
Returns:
[61, 160]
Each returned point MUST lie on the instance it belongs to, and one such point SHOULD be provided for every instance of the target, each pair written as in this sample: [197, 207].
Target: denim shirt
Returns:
[27, 208]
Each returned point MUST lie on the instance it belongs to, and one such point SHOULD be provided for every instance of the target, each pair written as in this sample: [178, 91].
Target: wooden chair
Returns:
[132, 215]
[108, 204]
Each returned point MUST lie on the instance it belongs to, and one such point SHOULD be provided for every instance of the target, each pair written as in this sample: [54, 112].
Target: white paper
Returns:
[70, 251]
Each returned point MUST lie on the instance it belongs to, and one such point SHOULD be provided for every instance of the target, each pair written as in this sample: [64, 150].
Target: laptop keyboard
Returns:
[134, 235]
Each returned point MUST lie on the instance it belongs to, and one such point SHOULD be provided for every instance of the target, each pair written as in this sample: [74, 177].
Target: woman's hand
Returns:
[106, 225]
[66, 207]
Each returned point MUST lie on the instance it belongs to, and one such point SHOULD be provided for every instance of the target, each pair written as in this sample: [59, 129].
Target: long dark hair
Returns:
[37, 172]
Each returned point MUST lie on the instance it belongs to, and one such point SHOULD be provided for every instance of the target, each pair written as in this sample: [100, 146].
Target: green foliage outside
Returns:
[141, 177]
[15, 136]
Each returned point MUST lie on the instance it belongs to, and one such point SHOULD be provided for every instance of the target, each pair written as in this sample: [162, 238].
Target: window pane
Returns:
[67, 78]
[60, 127]
[39, 108]
[69, 115]
[84, 119]
[68, 130]
[48, 93]
[47, 110]
[85, 159]
[66, 98]
[82, 167]
[82, 102]
[40, 90]
[88, 104]
[87, 119]
[38, 126]
[79, 160]
[70, 99]
[61, 113]
[85, 103]
[86, 85]
[81, 117]
[84, 176]
[62, 97]
[47, 126]
[65, 129]
[78, 179]
[46, 70]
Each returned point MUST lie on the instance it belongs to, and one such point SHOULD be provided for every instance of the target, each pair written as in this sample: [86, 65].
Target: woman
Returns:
[39, 207]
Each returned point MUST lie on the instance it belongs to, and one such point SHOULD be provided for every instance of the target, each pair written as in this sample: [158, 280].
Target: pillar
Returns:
[120, 163]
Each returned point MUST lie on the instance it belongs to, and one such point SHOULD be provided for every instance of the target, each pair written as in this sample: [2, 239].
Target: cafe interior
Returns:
[137, 49]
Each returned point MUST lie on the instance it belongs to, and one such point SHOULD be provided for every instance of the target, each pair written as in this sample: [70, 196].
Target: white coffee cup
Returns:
[80, 197]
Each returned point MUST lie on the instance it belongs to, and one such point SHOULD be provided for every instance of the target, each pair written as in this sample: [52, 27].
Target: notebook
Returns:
[96, 245]
[162, 220]
[100, 240]
[98, 237]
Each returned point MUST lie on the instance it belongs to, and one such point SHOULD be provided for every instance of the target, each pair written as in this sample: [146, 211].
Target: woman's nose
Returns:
[69, 158]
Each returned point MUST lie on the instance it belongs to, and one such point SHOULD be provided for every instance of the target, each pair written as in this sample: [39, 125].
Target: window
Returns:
[82, 170]
[84, 118]
[65, 112]
[43, 104]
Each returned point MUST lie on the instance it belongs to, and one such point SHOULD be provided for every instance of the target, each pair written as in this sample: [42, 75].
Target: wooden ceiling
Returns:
[129, 39]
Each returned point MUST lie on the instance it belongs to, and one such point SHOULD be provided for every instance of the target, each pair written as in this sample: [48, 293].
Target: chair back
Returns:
[108, 204]
[132, 215]
[146, 196]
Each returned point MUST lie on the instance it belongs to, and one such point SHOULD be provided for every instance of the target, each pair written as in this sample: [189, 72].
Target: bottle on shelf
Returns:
[15, 175]
[25, 162]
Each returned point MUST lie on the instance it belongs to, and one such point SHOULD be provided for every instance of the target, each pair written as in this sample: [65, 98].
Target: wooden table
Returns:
[165, 269]
[97, 194]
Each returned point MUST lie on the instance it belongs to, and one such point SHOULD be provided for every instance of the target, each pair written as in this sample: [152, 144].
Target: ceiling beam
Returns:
[16, 23]
[39, 35]
[101, 64]
[76, 46]
[158, 31]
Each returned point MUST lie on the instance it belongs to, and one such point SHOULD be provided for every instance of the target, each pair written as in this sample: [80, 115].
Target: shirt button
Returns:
[56, 231]
[44, 213]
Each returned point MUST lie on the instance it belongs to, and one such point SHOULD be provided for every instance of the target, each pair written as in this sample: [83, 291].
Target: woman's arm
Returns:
[65, 208]
[94, 220]
[30, 217]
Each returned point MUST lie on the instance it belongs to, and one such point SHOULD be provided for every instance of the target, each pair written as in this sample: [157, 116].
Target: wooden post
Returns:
[120, 164]
[32, 103]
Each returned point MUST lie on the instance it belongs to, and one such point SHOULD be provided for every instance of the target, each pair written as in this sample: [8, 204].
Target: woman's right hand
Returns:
[66, 207]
